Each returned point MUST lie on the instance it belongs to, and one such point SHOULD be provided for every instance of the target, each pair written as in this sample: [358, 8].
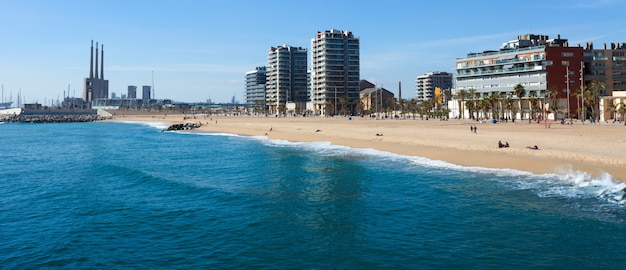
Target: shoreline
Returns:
[593, 149]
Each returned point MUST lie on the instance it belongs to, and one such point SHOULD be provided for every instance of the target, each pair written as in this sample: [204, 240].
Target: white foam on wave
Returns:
[564, 182]
[215, 134]
[156, 125]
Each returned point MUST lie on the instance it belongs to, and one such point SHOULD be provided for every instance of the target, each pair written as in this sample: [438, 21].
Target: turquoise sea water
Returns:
[125, 195]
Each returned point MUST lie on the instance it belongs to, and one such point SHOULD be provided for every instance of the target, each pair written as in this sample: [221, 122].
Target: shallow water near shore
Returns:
[125, 195]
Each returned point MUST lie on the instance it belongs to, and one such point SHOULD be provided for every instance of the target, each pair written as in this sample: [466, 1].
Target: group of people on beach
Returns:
[473, 129]
[503, 145]
[506, 145]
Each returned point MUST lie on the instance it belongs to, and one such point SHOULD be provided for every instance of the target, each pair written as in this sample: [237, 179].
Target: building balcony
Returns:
[482, 55]
[503, 62]
[596, 77]
[465, 73]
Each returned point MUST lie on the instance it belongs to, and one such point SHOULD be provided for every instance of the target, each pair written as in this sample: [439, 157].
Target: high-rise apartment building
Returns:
[286, 78]
[145, 94]
[533, 61]
[255, 88]
[95, 87]
[606, 65]
[335, 70]
[132, 91]
[426, 84]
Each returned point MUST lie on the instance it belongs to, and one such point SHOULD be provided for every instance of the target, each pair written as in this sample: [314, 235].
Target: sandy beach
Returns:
[563, 149]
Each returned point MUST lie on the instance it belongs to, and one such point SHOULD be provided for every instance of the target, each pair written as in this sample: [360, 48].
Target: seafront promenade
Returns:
[580, 150]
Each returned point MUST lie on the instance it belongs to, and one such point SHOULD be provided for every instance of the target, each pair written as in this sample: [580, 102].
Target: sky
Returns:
[193, 51]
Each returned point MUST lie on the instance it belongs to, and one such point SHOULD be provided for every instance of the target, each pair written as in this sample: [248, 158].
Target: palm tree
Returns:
[532, 104]
[484, 105]
[593, 95]
[553, 92]
[520, 92]
[622, 110]
[508, 104]
[493, 100]
[343, 101]
[473, 95]
[612, 108]
[411, 106]
[461, 96]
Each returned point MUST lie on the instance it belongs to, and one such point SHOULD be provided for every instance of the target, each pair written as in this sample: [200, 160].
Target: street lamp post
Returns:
[567, 87]
[582, 92]
[545, 114]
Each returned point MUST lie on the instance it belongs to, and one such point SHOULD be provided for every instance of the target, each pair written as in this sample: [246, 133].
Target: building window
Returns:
[565, 63]
[567, 54]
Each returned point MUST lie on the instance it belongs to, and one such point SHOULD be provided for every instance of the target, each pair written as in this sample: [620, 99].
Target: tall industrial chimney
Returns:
[102, 63]
[91, 62]
[96, 74]
[400, 91]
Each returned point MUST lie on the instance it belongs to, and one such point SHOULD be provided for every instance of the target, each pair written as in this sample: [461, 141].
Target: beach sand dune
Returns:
[594, 149]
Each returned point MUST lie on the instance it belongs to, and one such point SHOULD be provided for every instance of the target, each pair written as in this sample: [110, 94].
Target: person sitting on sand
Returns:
[500, 145]
[506, 144]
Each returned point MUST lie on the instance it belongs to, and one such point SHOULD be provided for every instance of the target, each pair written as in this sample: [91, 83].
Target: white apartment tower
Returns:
[334, 70]
[426, 84]
[255, 88]
[286, 78]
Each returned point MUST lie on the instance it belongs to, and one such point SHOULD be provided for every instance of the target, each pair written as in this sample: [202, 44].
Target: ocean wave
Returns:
[156, 125]
[564, 182]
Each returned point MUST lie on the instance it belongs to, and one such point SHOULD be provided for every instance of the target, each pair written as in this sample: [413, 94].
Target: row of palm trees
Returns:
[494, 105]
[500, 105]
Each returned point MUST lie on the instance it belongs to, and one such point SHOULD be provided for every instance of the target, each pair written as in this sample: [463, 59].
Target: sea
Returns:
[103, 195]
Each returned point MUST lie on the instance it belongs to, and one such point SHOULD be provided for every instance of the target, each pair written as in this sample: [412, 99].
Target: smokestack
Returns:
[91, 62]
[96, 73]
[102, 63]
[400, 91]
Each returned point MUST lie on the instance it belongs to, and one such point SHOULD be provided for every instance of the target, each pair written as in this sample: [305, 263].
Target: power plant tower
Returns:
[96, 87]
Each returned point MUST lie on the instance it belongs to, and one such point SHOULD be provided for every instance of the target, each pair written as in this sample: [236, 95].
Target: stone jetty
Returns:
[54, 116]
[184, 126]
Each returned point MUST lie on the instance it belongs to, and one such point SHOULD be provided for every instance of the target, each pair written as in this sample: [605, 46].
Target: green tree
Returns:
[612, 109]
[533, 104]
[592, 97]
[553, 92]
[508, 104]
[461, 95]
[621, 109]
[520, 92]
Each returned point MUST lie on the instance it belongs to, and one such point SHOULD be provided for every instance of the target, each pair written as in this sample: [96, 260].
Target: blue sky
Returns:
[202, 49]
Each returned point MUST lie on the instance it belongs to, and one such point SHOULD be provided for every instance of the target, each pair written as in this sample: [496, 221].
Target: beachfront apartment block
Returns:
[335, 71]
[536, 62]
[255, 88]
[606, 65]
[286, 79]
[425, 84]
